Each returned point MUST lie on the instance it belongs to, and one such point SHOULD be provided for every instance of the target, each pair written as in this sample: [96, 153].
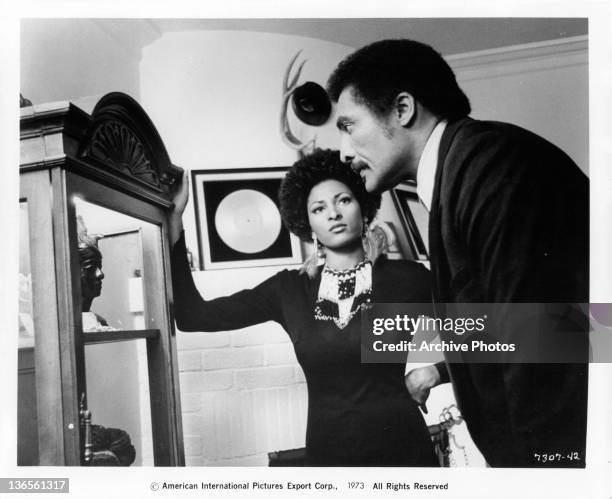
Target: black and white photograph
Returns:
[208, 203]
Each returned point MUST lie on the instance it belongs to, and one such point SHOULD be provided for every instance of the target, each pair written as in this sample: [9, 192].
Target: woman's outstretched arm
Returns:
[242, 309]
[191, 311]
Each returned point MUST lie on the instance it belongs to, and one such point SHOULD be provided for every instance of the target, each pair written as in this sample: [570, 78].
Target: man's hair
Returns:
[378, 72]
[321, 165]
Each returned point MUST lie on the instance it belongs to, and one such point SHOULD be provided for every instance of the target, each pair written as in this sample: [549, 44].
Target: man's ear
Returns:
[405, 108]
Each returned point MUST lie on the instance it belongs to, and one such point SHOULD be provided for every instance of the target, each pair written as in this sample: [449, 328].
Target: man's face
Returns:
[373, 146]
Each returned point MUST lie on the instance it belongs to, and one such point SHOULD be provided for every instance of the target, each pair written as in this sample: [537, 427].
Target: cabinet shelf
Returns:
[113, 336]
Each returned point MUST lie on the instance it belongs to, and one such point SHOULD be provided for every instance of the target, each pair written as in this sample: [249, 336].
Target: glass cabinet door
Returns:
[119, 258]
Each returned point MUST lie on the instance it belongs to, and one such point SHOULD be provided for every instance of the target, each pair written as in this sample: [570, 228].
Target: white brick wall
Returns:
[243, 395]
[263, 377]
[231, 358]
[261, 334]
[190, 361]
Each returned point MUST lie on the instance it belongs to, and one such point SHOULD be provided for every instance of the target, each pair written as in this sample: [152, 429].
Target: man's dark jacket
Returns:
[510, 223]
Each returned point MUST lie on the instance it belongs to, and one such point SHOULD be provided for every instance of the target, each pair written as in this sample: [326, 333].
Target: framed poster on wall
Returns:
[238, 219]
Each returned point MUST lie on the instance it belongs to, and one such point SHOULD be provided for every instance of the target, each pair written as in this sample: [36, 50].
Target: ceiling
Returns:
[66, 58]
[447, 35]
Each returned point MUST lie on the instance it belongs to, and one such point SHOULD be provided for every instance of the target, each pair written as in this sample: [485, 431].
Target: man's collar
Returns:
[426, 171]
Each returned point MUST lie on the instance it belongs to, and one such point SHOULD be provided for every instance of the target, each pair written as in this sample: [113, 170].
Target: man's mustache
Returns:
[357, 166]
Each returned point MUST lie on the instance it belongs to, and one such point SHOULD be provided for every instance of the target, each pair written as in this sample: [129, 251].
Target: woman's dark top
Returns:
[358, 414]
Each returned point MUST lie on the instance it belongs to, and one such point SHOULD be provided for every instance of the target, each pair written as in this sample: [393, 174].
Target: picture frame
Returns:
[414, 219]
[238, 219]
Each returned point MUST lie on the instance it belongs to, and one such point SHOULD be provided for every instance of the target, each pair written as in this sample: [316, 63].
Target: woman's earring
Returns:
[312, 262]
[318, 248]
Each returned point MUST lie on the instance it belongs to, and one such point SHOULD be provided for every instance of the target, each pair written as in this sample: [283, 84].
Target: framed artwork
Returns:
[238, 219]
[414, 217]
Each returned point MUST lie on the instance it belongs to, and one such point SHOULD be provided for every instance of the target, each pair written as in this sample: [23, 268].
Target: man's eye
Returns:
[346, 127]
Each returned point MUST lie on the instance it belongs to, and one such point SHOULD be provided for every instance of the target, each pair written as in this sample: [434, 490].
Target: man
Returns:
[508, 223]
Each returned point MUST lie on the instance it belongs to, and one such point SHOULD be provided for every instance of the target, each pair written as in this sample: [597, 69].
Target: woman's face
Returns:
[334, 214]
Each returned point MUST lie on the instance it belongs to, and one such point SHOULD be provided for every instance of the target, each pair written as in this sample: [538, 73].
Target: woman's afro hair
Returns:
[322, 164]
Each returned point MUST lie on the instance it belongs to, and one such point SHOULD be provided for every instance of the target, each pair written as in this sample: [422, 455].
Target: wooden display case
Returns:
[111, 169]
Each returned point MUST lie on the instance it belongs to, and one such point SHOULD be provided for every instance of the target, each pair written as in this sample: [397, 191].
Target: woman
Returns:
[358, 414]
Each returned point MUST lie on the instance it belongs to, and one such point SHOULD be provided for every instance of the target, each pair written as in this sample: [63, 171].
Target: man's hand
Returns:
[420, 381]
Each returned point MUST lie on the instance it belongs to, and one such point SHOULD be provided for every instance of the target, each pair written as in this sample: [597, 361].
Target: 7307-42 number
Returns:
[556, 457]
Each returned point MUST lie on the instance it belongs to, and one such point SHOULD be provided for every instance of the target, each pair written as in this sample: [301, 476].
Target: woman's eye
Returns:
[345, 200]
[318, 209]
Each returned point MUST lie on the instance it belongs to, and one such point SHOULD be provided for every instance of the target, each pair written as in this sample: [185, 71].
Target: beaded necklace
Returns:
[342, 294]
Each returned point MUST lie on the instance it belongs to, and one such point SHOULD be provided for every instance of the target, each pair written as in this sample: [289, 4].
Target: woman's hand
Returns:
[176, 215]
[181, 196]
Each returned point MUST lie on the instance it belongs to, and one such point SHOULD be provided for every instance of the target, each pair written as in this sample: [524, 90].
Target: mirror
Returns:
[111, 261]
[113, 250]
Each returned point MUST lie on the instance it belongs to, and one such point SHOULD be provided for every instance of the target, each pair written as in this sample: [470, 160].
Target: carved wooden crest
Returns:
[123, 138]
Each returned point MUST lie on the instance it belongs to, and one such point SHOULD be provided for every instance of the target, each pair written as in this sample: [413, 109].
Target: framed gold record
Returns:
[238, 219]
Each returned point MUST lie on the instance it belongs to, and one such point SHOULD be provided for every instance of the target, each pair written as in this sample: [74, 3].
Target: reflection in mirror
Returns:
[111, 261]
[90, 261]
[118, 398]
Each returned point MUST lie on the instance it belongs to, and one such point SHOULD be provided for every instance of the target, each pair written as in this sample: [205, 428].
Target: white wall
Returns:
[543, 87]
